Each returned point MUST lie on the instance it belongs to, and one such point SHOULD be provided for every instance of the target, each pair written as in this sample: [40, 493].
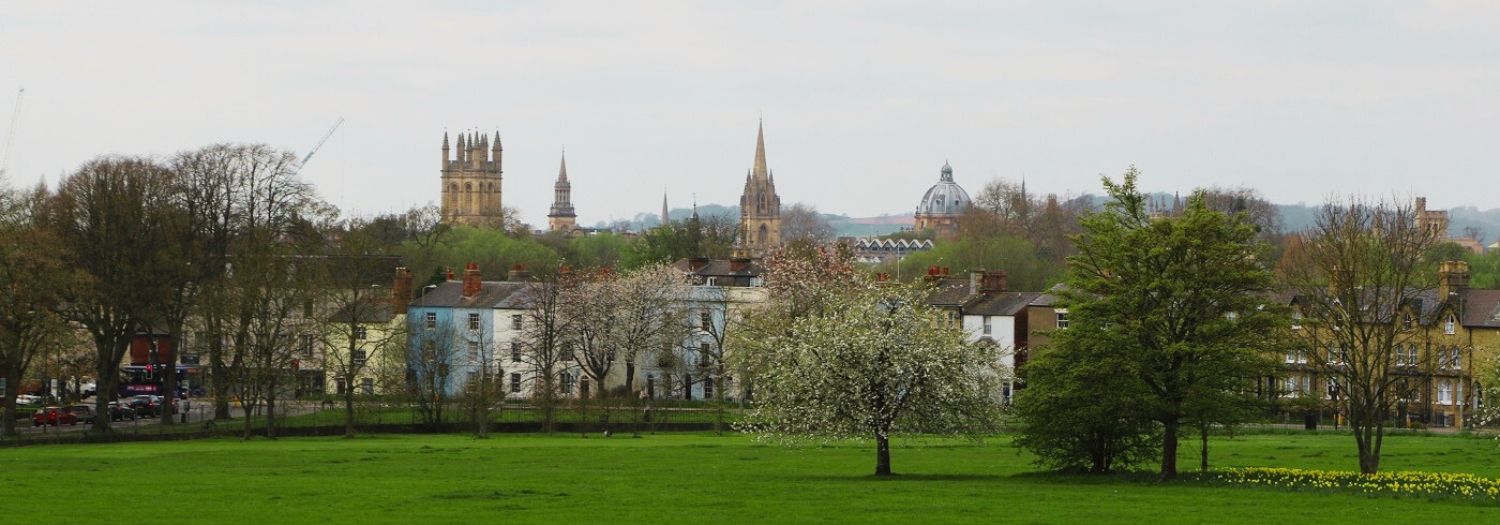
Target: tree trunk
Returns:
[271, 414]
[11, 387]
[1169, 451]
[348, 412]
[246, 407]
[1365, 424]
[1203, 434]
[168, 387]
[882, 454]
[630, 377]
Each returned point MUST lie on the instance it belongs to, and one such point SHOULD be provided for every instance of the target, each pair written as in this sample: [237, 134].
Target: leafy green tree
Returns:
[1484, 270]
[712, 237]
[1014, 254]
[1445, 251]
[1179, 304]
[492, 248]
[1079, 413]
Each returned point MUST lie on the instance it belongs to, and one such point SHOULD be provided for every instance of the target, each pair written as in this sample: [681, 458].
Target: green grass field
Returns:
[699, 478]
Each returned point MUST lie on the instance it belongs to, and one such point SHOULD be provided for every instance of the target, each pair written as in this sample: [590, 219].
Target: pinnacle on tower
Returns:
[562, 170]
[664, 219]
[445, 149]
[760, 151]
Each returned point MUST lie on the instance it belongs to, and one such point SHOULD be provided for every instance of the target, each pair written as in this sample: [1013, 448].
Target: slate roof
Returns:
[1049, 298]
[1481, 308]
[950, 291]
[1007, 303]
[492, 294]
[956, 292]
[721, 268]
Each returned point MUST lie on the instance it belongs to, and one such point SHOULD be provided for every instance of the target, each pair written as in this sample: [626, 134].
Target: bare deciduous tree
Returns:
[109, 214]
[651, 314]
[801, 221]
[542, 350]
[1359, 276]
[33, 281]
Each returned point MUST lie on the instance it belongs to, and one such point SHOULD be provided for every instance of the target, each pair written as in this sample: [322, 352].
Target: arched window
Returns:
[469, 196]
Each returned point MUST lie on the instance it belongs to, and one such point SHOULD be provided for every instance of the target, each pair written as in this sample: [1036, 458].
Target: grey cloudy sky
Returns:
[862, 101]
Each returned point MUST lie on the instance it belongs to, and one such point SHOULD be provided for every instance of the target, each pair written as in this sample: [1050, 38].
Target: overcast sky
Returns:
[862, 101]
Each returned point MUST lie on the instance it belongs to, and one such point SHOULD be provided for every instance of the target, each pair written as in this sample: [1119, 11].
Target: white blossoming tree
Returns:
[871, 362]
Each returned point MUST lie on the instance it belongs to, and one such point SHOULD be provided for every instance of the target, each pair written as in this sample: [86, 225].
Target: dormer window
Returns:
[1406, 321]
[1450, 325]
[1296, 319]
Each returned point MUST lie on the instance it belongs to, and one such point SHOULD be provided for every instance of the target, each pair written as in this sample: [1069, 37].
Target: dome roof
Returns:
[944, 198]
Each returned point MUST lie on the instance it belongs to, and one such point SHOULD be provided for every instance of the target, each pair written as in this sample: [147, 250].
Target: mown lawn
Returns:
[699, 478]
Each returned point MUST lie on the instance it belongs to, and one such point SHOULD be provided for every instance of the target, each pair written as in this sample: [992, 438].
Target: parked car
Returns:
[149, 406]
[26, 400]
[83, 413]
[120, 411]
[53, 416]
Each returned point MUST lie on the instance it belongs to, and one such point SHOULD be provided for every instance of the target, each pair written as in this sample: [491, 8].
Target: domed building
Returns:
[941, 206]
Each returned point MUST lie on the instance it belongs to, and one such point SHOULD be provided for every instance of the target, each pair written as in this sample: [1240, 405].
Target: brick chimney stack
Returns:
[738, 263]
[471, 280]
[1452, 276]
[401, 291]
[518, 273]
[994, 282]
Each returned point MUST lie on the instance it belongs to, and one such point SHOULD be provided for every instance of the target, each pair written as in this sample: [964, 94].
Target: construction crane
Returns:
[10, 137]
[320, 142]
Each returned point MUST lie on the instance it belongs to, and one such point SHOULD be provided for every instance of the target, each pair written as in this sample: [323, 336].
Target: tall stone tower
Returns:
[760, 207]
[562, 218]
[471, 181]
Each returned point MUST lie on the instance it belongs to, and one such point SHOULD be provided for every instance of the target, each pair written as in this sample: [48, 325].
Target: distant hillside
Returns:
[1487, 223]
[1294, 217]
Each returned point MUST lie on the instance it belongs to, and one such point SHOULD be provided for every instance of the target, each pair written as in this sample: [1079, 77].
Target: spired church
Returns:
[760, 207]
[472, 189]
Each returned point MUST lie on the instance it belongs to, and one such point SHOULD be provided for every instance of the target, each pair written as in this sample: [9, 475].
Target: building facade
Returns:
[471, 180]
[980, 305]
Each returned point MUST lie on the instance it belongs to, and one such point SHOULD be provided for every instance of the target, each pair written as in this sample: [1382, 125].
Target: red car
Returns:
[53, 416]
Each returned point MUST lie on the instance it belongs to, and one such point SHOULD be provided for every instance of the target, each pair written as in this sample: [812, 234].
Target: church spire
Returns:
[760, 151]
[665, 220]
[562, 171]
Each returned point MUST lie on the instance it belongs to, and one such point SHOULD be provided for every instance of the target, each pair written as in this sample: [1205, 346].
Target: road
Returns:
[198, 411]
